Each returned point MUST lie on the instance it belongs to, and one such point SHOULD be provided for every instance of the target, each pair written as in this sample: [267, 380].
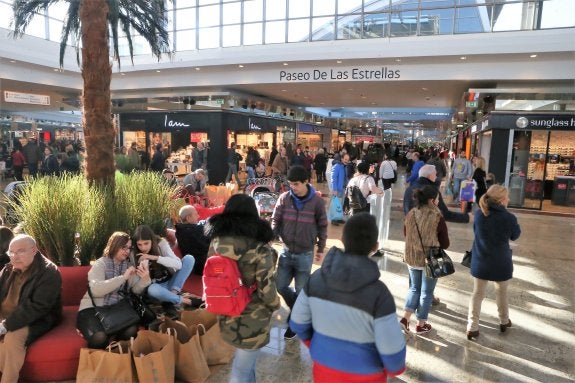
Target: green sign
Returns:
[471, 104]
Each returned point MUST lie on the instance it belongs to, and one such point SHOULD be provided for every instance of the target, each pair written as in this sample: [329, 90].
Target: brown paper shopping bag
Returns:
[215, 349]
[154, 357]
[191, 365]
[195, 317]
[112, 365]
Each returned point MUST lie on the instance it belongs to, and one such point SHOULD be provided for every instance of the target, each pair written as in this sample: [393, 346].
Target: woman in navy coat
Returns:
[491, 260]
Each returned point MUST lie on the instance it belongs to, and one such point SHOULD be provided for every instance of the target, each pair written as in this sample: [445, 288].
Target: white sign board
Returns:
[26, 98]
[213, 103]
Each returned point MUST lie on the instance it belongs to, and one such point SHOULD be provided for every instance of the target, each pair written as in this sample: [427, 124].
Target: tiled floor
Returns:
[540, 347]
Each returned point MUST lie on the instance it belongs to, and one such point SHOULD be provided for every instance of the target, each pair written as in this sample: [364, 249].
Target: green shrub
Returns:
[53, 209]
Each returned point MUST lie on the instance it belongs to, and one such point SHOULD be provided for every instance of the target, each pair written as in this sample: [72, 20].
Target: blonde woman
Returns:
[491, 260]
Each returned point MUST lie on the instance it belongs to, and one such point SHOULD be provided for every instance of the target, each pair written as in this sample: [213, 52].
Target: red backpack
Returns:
[224, 291]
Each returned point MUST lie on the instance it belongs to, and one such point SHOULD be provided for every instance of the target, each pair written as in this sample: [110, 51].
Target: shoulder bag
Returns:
[437, 262]
[394, 179]
[117, 316]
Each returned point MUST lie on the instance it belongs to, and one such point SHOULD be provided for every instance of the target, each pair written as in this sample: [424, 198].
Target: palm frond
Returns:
[113, 20]
[24, 12]
[71, 28]
[149, 19]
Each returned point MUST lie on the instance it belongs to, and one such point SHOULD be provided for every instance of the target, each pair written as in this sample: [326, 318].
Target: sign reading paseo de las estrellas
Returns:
[343, 74]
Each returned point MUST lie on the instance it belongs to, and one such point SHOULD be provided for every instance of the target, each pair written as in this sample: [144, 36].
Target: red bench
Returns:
[55, 355]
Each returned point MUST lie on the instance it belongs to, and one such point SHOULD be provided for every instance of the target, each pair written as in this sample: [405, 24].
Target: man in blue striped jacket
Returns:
[347, 316]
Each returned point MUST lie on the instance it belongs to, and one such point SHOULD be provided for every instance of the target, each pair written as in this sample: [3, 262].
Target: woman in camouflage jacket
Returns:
[239, 233]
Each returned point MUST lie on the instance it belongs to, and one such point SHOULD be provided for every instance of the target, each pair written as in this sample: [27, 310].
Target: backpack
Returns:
[224, 290]
[356, 198]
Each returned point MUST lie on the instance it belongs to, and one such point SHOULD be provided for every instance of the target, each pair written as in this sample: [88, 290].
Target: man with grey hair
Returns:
[427, 176]
[195, 182]
[191, 237]
[30, 302]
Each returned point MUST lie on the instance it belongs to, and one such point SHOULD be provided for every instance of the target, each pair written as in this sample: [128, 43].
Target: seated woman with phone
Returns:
[168, 273]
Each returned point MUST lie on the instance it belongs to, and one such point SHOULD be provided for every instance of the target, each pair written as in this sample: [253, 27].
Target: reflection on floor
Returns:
[540, 347]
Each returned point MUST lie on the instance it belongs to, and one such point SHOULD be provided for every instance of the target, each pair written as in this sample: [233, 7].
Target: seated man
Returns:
[191, 237]
[30, 302]
[169, 177]
[195, 182]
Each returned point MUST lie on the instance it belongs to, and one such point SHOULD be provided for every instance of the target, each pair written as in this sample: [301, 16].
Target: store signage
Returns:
[253, 126]
[195, 137]
[549, 123]
[341, 74]
[363, 138]
[168, 123]
[471, 104]
[26, 98]
[213, 103]
[532, 121]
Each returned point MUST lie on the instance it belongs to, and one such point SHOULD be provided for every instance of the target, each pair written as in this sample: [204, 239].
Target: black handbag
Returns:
[117, 316]
[147, 315]
[437, 263]
[466, 261]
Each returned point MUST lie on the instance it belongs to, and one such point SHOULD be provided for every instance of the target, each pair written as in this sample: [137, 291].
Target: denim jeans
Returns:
[163, 291]
[292, 266]
[233, 169]
[456, 187]
[251, 172]
[244, 366]
[420, 293]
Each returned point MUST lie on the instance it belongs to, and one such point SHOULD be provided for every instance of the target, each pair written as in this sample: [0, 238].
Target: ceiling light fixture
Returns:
[286, 64]
[158, 71]
[463, 58]
[240, 66]
[197, 68]
[338, 61]
[533, 56]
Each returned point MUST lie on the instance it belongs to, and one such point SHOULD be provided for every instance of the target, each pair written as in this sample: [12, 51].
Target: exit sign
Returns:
[471, 104]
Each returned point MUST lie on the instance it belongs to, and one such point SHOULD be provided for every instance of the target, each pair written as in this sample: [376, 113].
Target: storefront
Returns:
[533, 154]
[314, 136]
[179, 132]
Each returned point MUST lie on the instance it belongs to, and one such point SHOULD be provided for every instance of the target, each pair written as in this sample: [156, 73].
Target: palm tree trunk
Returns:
[97, 74]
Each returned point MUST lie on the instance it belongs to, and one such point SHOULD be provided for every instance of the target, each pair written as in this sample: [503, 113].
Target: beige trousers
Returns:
[12, 354]
[479, 292]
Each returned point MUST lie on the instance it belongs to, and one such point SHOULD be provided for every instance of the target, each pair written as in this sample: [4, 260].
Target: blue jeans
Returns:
[420, 293]
[292, 266]
[251, 172]
[232, 169]
[456, 187]
[244, 366]
[163, 291]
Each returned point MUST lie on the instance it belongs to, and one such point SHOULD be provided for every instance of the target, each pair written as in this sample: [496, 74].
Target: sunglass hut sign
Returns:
[343, 74]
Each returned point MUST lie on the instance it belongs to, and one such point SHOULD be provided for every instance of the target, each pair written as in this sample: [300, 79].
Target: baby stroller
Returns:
[262, 190]
[12, 194]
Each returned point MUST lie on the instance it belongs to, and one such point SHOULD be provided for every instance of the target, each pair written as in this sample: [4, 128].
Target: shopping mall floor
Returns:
[540, 347]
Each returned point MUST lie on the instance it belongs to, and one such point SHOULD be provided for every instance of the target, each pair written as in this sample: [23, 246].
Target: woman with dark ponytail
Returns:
[424, 227]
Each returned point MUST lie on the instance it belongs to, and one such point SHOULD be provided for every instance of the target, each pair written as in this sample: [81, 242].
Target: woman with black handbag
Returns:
[424, 227]
[109, 280]
[493, 226]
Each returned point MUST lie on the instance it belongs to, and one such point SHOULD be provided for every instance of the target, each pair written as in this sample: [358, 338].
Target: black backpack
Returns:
[356, 198]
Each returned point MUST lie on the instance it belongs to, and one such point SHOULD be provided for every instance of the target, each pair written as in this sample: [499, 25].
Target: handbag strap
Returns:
[124, 288]
[418, 233]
